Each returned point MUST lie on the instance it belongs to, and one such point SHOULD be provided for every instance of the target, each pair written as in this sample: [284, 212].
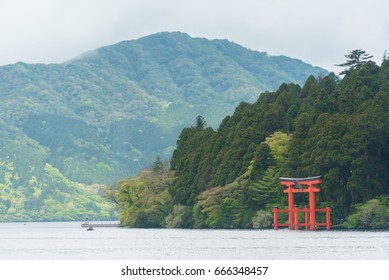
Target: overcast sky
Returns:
[317, 32]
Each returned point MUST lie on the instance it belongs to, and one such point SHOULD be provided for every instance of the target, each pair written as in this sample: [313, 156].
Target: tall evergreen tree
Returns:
[200, 123]
[354, 60]
[262, 160]
[157, 165]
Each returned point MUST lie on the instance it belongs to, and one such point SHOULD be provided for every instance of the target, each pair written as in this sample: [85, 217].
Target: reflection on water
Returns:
[68, 241]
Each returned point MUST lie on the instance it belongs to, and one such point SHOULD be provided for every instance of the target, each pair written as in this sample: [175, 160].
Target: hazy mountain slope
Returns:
[108, 113]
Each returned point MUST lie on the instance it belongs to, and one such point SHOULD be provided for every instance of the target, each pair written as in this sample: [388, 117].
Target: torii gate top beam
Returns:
[303, 181]
[300, 179]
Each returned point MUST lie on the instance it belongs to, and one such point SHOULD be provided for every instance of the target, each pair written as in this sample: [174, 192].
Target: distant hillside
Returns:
[111, 111]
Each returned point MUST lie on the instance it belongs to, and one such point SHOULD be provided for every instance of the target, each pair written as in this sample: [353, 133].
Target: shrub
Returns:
[175, 218]
[374, 214]
[262, 219]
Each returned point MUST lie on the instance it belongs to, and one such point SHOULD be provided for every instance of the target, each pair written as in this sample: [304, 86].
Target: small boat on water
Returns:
[89, 228]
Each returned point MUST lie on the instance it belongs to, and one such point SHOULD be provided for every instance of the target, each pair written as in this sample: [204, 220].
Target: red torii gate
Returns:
[295, 185]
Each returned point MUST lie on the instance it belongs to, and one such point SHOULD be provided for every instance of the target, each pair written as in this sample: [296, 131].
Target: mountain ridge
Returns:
[108, 113]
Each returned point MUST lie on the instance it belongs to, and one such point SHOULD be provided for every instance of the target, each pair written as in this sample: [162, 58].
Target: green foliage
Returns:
[175, 219]
[262, 219]
[355, 60]
[338, 129]
[234, 205]
[374, 214]
[335, 128]
[262, 160]
[144, 201]
[188, 161]
[49, 196]
[266, 191]
[223, 207]
[157, 165]
[200, 123]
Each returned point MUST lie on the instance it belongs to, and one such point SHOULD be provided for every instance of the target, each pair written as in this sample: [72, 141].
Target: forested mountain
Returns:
[228, 178]
[108, 113]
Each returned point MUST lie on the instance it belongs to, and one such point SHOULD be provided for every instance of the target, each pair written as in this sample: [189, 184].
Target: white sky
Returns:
[318, 32]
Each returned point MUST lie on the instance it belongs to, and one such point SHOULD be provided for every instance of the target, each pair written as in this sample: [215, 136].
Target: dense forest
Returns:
[228, 178]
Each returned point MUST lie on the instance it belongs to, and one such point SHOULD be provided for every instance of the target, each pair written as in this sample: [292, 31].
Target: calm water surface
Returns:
[68, 241]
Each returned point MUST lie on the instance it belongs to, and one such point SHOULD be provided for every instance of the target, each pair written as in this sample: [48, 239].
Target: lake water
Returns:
[68, 241]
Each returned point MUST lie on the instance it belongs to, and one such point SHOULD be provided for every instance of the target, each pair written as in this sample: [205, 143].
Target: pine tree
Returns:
[157, 165]
[200, 123]
[262, 160]
[267, 189]
[354, 61]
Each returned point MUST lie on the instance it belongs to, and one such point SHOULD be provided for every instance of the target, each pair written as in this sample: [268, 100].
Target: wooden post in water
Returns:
[306, 210]
[296, 217]
[275, 211]
[328, 218]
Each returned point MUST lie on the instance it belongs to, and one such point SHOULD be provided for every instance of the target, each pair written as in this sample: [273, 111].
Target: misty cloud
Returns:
[320, 33]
